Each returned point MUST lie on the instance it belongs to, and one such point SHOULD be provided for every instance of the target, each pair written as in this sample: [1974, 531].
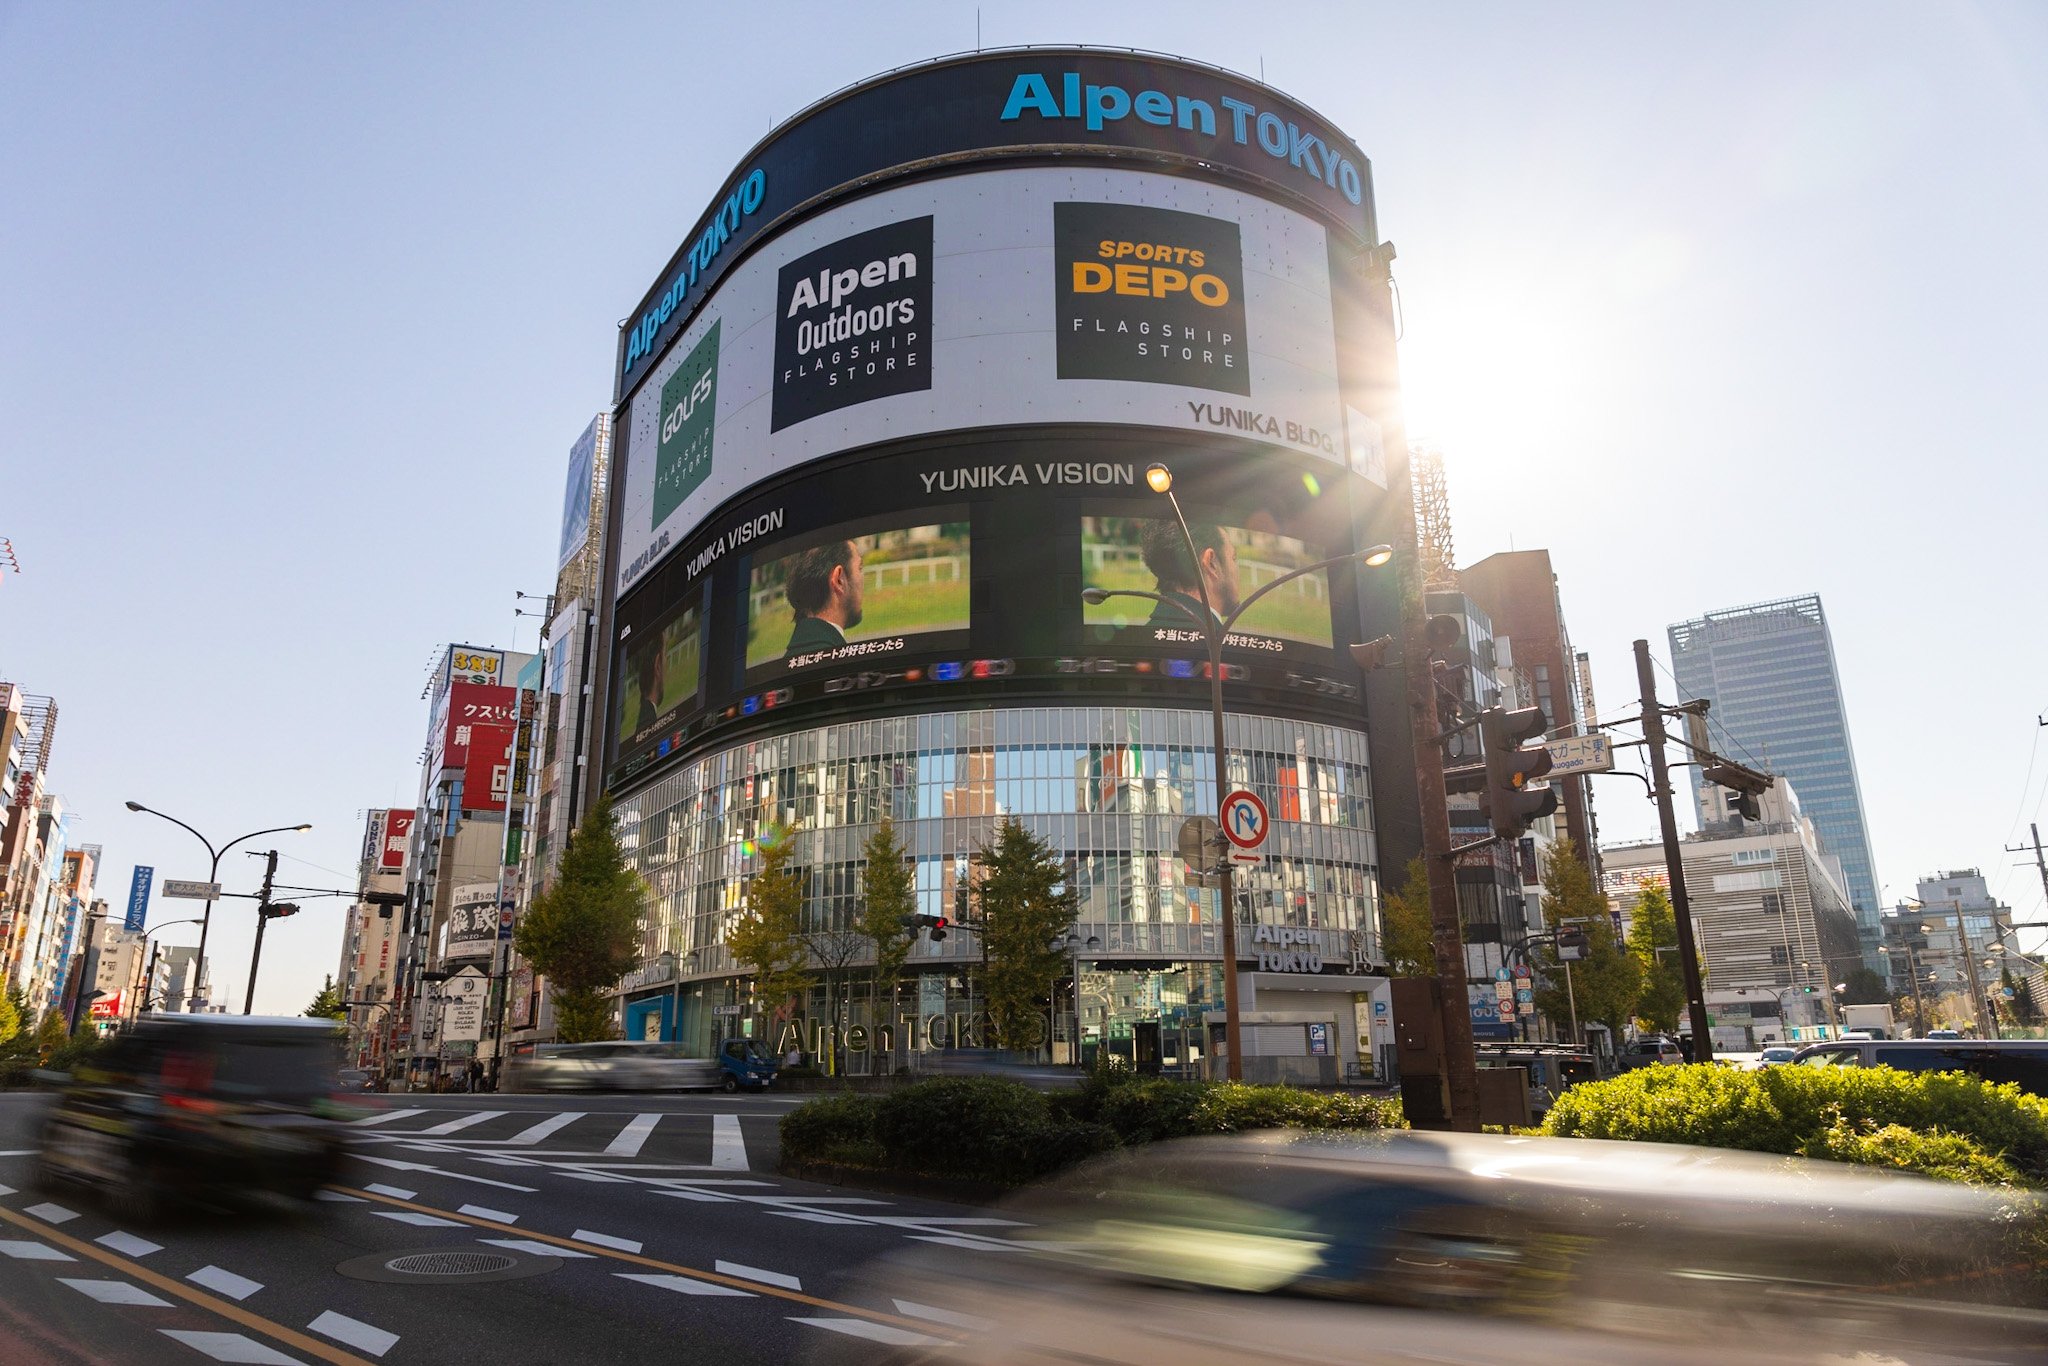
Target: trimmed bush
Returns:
[837, 1128]
[1945, 1124]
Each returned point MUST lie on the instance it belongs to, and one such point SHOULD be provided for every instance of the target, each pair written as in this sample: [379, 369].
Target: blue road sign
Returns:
[138, 898]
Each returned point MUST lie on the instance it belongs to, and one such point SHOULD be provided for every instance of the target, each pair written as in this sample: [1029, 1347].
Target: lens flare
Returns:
[1312, 484]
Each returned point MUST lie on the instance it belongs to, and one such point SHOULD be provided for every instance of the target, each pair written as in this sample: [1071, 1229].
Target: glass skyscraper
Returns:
[1769, 670]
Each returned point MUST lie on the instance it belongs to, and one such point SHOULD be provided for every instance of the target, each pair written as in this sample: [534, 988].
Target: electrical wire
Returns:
[2026, 787]
[1712, 724]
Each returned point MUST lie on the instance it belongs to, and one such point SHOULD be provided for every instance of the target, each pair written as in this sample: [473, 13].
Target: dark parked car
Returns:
[2023, 1061]
[201, 1105]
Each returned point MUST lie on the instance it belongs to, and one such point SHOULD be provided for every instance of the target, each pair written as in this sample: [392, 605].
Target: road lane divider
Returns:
[212, 1304]
[575, 1248]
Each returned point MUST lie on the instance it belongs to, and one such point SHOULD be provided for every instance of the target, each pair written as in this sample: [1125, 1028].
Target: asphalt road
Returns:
[635, 1228]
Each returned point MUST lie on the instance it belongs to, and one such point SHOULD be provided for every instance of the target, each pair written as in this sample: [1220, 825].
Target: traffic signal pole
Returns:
[262, 919]
[1674, 860]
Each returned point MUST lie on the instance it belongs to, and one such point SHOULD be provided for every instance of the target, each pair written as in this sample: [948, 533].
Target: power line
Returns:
[1712, 723]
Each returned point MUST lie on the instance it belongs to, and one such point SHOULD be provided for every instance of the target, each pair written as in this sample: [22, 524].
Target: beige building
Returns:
[1771, 913]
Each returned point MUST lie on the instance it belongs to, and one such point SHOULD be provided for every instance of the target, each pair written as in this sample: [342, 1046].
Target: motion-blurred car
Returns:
[1943, 1034]
[615, 1066]
[1025, 1068]
[1413, 1247]
[205, 1106]
[1773, 1056]
[357, 1079]
[1650, 1051]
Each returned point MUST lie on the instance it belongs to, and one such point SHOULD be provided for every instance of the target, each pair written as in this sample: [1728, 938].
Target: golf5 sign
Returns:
[1245, 824]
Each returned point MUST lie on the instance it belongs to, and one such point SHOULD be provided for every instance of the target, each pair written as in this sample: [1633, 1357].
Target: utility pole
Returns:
[2039, 862]
[1674, 860]
[262, 919]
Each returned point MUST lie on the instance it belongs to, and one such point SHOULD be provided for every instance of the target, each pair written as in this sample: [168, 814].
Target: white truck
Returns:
[1876, 1021]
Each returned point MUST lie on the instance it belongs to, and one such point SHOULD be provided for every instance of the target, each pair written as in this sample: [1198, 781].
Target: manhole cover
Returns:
[452, 1267]
[450, 1263]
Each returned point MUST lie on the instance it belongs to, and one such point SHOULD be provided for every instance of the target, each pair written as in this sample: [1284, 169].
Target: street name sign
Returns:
[1580, 754]
[192, 891]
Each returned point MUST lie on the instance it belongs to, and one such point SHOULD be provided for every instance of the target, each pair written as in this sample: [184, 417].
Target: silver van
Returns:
[2022, 1061]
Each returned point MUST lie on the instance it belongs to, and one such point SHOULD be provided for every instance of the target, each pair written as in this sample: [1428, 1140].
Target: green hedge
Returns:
[1945, 1124]
[997, 1132]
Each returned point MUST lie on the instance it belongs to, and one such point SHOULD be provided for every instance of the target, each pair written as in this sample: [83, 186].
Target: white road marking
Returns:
[52, 1214]
[921, 1220]
[19, 1152]
[354, 1332]
[712, 1181]
[229, 1347]
[704, 1196]
[464, 1121]
[226, 1282]
[546, 1127]
[728, 1148]
[406, 1216]
[115, 1292]
[7, 1190]
[596, 1176]
[755, 1273]
[873, 1332]
[485, 1212]
[949, 1317]
[633, 1137]
[336, 1197]
[584, 1235]
[385, 1118]
[976, 1244]
[801, 1200]
[33, 1252]
[128, 1244]
[394, 1192]
[506, 1161]
[396, 1165]
[683, 1284]
[813, 1217]
[534, 1249]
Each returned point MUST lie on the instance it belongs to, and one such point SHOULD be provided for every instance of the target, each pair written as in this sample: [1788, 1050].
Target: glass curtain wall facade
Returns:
[1769, 670]
[1107, 787]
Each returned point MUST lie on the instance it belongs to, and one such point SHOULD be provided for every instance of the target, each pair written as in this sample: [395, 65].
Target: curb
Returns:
[949, 1189]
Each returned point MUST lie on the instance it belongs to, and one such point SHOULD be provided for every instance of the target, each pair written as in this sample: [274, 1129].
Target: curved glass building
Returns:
[879, 424]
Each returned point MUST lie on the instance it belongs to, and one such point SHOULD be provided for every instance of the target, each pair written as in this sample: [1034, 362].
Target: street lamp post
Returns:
[1073, 943]
[149, 975]
[1215, 626]
[213, 873]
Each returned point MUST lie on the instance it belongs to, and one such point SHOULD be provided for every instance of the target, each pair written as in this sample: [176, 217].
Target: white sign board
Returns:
[1580, 754]
[192, 891]
[462, 1009]
[883, 337]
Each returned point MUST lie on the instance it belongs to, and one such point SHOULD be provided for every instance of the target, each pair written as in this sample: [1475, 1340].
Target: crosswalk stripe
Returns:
[728, 1147]
[681, 1284]
[873, 1332]
[547, 1126]
[386, 1117]
[464, 1121]
[633, 1137]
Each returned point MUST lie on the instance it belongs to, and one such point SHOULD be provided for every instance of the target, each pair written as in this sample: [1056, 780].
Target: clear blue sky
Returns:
[301, 307]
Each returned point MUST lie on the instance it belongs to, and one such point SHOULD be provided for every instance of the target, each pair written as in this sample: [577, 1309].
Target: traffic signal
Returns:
[1510, 806]
[278, 910]
[1744, 785]
[935, 928]
[1571, 944]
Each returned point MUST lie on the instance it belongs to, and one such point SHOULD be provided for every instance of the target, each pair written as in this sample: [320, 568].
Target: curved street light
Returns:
[213, 874]
[1215, 627]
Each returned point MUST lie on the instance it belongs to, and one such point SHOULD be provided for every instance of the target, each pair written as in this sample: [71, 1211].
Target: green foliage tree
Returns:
[1406, 941]
[10, 1018]
[327, 1004]
[1653, 925]
[1025, 905]
[888, 895]
[768, 935]
[51, 1036]
[1607, 982]
[583, 932]
[1864, 988]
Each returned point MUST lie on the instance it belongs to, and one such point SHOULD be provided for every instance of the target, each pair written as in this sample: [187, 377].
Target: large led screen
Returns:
[851, 594]
[660, 673]
[1141, 554]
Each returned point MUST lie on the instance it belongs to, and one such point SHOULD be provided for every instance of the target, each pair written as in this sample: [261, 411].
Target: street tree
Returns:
[1607, 982]
[51, 1036]
[1863, 987]
[1407, 942]
[1025, 906]
[1653, 926]
[768, 934]
[10, 1017]
[888, 894]
[327, 1003]
[583, 932]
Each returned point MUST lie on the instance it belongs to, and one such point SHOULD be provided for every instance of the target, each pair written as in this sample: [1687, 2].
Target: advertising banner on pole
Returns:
[138, 898]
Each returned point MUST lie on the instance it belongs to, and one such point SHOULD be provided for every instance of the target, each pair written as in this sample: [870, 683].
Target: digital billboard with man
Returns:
[663, 665]
[848, 597]
[1231, 563]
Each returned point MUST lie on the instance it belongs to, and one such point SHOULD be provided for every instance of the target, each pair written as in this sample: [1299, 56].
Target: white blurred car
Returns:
[616, 1066]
